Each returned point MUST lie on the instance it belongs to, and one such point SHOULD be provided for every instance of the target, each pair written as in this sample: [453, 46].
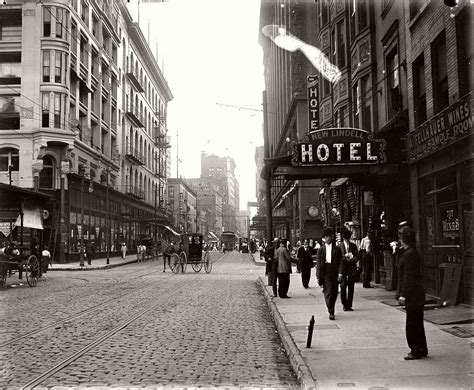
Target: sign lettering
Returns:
[341, 146]
[445, 128]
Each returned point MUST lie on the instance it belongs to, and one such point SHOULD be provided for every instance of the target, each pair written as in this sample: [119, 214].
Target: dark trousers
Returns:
[283, 282]
[415, 330]
[347, 291]
[330, 290]
[367, 268]
[305, 275]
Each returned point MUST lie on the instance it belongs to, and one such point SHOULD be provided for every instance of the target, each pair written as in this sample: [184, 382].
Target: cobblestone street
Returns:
[137, 326]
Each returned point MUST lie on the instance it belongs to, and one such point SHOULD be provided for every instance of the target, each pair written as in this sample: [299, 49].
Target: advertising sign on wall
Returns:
[450, 125]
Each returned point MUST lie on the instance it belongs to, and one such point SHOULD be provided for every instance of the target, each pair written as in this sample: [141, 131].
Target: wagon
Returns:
[22, 260]
[191, 251]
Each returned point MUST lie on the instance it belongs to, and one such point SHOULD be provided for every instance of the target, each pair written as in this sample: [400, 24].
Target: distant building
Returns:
[183, 204]
[220, 172]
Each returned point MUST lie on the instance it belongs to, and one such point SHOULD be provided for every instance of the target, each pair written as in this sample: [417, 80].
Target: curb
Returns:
[297, 362]
[92, 268]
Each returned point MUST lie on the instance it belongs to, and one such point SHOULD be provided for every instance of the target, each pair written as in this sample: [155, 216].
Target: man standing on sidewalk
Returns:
[281, 271]
[349, 270]
[329, 269]
[305, 260]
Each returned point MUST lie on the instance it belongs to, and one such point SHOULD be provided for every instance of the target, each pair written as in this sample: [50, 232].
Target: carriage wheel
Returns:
[183, 261]
[196, 266]
[3, 277]
[207, 262]
[32, 270]
[174, 263]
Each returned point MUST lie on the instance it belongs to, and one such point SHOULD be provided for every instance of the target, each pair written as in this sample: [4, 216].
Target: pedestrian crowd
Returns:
[339, 265]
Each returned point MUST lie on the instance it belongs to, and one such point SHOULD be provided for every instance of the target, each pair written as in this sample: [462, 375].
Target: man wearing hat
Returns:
[329, 269]
[281, 271]
[349, 269]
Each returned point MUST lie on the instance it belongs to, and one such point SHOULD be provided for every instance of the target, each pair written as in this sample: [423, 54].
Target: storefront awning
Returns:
[339, 182]
[31, 219]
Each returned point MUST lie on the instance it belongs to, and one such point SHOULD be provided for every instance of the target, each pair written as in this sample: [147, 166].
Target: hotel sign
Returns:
[450, 125]
[313, 102]
[339, 146]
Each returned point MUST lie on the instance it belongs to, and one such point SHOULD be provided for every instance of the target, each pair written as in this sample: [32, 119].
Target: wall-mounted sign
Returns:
[313, 103]
[339, 146]
[450, 125]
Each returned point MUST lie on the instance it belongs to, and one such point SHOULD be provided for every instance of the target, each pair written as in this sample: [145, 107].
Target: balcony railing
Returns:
[134, 155]
[132, 114]
[135, 81]
[137, 192]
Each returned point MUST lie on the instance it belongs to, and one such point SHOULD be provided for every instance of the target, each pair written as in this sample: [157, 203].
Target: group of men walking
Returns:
[335, 265]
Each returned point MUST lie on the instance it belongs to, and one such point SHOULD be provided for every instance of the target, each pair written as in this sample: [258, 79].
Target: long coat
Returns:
[336, 263]
[349, 267]
[305, 256]
[410, 282]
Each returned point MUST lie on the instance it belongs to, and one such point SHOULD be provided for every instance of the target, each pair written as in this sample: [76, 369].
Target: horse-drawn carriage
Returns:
[22, 260]
[192, 251]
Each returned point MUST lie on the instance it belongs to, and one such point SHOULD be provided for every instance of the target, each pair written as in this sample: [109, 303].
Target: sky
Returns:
[209, 53]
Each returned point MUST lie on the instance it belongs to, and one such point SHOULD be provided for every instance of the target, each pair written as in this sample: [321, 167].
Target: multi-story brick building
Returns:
[393, 85]
[220, 172]
[183, 205]
[84, 112]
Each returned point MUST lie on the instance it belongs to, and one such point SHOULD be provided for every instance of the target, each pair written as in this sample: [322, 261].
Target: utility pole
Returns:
[268, 181]
[107, 219]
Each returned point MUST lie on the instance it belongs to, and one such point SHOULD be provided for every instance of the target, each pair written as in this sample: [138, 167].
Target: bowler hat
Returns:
[329, 231]
[276, 240]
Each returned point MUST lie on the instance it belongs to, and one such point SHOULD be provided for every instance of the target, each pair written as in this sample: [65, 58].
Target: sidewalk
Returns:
[364, 348]
[115, 261]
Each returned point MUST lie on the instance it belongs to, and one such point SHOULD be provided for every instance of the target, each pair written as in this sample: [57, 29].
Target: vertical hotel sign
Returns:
[313, 102]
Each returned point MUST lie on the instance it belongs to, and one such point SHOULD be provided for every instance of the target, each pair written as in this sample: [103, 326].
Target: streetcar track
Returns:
[94, 308]
[75, 356]
[79, 314]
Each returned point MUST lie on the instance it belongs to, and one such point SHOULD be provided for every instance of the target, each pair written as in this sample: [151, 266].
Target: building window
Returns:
[10, 68]
[341, 42]
[9, 112]
[171, 192]
[365, 104]
[46, 176]
[58, 67]
[356, 104]
[57, 110]
[46, 21]
[9, 157]
[415, 6]
[59, 22]
[46, 66]
[45, 110]
[464, 49]
[324, 15]
[440, 73]
[362, 14]
[419, 91]
[393, 82]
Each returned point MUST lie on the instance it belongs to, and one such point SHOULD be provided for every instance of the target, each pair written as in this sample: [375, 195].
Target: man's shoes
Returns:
[410, 356]
[285, 297]
[332, 317]
[368, 286]
[349, 309]
[345, 308]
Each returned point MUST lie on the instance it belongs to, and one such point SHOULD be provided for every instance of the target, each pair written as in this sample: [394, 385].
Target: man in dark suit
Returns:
[329, 269]
[306, 262]
[349, 270]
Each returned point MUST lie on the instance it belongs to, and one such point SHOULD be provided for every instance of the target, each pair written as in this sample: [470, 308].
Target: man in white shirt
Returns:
[329, 269]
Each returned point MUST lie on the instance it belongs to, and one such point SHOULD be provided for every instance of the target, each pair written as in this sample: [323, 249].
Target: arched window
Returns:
[47, 174]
